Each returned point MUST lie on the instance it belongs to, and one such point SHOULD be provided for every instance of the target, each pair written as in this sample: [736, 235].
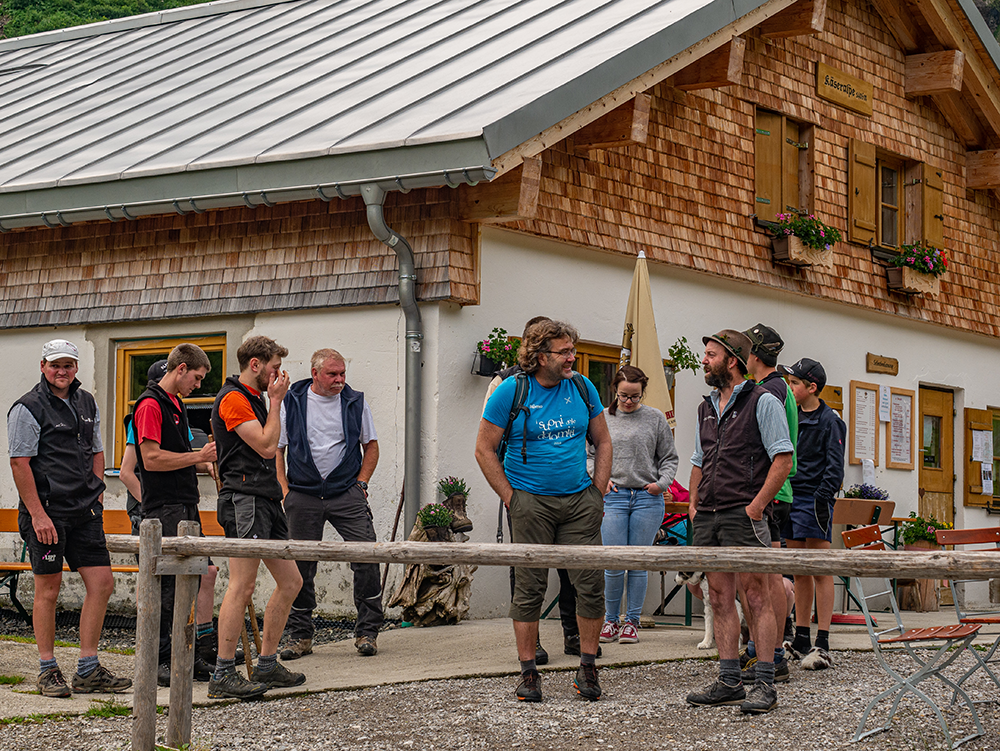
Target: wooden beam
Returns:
[508, 198]
[804, 18]
[625, 125]
[962, 118]
[982, 170]
[724, 67]
[934, 73]
[900, 23]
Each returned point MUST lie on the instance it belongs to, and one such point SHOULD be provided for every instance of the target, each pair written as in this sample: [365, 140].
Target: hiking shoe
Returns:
[610, 632]
[571, 646]
[530, 687]
[233, 685]
[541, 656]
[761, 699]
[366, 646]
[746, 659]
[298, 648]
[586, 682]
[101, 681]
[817, 659]
[629, 634]
[163, 674]
[718, 694]
[202, 670]
[277, 677]
[52, 683]
[781, 672]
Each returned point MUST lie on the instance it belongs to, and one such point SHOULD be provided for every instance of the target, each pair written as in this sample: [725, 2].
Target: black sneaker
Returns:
[586, 682]
[101, 681]
[52, 683]
[781, 672]
[571, 646]
[530, 687]
[718, 694]
[541, 656]
[233, 685]
[761, 699]
[278, 677]
[163, 674]
[203, 670]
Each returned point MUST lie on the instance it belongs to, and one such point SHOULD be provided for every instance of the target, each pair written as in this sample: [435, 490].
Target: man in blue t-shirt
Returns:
[543, 481]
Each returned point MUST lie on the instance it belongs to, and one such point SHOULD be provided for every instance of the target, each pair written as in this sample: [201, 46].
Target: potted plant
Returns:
[803, 240]
[916, 269]
[456, 494]
[495, 352]
[919, 533]
[436, 519]
[680, 357]
[866, 491]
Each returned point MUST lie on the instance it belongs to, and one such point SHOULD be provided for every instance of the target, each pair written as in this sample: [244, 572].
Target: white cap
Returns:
[59, 348]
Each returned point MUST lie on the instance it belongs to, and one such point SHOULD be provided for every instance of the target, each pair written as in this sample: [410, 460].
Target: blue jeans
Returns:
[631, 517]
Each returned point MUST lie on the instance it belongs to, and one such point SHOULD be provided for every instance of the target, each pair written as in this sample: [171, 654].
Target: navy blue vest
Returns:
[301, 469]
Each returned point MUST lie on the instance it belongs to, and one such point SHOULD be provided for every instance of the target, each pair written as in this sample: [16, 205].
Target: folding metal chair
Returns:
[946, 644]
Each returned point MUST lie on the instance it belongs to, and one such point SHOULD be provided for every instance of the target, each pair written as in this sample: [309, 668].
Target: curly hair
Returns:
[629, 374]
[536, 341]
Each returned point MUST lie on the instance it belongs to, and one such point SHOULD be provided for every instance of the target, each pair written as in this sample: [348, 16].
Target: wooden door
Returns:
[937, 468]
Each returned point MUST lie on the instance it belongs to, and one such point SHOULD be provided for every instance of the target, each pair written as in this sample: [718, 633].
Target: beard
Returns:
[262, 382]
[717, 379]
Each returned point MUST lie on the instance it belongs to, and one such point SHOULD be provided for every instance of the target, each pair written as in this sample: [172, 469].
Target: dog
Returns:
[698, 578]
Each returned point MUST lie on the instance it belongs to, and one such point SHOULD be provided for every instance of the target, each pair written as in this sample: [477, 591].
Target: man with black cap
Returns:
[742, 456]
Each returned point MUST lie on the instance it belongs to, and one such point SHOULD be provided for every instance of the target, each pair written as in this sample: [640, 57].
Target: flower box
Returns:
[912, 282]
[791, 250]
[484, 366]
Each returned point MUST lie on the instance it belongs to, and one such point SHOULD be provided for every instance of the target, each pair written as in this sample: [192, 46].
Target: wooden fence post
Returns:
[147, 637]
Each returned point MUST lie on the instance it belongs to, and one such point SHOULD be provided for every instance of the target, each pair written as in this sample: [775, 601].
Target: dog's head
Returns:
[689, 577]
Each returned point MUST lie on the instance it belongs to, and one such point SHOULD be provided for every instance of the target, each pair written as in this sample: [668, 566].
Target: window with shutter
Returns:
[861, 199]
[987, 421]
[782, 168]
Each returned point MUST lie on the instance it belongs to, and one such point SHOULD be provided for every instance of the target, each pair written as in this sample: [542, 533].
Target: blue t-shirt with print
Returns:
[557, 435]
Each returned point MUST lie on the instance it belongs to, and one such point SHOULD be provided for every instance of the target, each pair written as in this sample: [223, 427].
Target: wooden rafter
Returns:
[961, 117]
[900, 23]
[982, 170]
[934, 73]
[509, 198]
[625, 125]
[804, 18]
[723, 67]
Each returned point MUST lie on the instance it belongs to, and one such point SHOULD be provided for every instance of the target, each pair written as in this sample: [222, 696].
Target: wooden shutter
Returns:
[932, 200]
[861, 189]
[768, 141]
[975, 419]
[790, 146]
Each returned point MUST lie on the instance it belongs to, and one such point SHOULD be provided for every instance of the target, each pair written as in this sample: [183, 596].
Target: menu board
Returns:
[863, 428]
[899, 432]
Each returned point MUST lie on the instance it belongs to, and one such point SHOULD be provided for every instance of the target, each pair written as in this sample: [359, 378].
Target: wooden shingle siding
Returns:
[286, 257]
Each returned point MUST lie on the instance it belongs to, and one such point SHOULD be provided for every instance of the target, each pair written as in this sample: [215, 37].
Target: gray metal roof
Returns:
[219, 102]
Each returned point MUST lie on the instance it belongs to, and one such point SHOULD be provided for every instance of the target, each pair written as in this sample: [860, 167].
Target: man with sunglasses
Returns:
[543, 481]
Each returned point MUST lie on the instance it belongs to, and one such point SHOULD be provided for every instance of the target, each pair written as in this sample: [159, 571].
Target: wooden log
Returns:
[804, 18]
[721, 67]
[625, 125]
[182, 651]
[982, 169]
[509, 198]
[934, 73]
[890, 563]
[147, 636]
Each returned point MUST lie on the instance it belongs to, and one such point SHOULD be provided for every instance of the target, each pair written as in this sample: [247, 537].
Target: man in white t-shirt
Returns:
[332, 451]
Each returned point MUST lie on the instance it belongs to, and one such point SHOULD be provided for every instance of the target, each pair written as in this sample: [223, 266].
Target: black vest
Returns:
[242, 469]
[64, 467]
[175, 486]
[734, 460]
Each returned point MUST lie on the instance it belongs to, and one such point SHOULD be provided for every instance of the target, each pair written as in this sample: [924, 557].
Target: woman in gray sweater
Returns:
[644, 465]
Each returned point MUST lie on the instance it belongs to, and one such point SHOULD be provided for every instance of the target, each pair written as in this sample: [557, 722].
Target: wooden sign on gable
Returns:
[844, 89]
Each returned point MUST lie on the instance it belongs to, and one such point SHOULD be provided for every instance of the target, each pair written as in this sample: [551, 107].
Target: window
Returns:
[599, 362]
[782, 166]
[982, 426]
[890, 203]
[133, 360]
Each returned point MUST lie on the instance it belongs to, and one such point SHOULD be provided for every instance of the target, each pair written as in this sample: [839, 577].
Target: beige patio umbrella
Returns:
[640, 345]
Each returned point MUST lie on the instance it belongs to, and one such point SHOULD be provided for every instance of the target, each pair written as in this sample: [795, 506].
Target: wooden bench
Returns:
[116, 522]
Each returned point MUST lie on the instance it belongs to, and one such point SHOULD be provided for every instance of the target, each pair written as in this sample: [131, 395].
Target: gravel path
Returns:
[643, 708]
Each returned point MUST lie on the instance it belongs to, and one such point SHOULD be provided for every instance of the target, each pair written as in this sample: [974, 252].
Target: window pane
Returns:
[890, 186]
[889, 227]
[213, 381]
[602, 373]
[932, 441]
[140, 366]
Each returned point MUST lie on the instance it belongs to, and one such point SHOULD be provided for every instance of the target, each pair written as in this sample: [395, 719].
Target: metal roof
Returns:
[253, 101]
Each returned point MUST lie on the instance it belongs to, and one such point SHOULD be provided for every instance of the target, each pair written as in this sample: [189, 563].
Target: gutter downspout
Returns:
[374, 197]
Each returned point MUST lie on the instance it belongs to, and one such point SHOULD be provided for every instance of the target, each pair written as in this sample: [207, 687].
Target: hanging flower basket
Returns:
[912, 282]
[484, 366]
[791, 250]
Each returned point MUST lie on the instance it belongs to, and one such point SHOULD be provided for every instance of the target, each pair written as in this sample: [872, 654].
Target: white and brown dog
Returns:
[695, 579]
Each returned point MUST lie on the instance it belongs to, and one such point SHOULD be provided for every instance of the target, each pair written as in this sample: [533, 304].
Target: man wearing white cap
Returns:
[57, 459]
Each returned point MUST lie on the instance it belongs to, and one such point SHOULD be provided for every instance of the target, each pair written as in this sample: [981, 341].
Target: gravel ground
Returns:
[643, 708]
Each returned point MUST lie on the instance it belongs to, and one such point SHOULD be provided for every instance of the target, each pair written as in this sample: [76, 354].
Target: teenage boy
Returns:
[820, 454]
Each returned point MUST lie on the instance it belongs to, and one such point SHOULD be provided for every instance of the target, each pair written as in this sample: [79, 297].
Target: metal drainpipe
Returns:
[374, 197]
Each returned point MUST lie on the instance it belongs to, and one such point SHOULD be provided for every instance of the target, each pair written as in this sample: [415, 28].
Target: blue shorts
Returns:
[810, 518]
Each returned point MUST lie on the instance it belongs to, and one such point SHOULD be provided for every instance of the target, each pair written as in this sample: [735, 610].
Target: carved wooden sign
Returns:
[881, 364]
[843, 89]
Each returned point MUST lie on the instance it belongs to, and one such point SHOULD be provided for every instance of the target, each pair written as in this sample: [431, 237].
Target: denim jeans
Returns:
[631, 517]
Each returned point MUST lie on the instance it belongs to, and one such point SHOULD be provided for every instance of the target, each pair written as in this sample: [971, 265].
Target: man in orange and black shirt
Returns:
[246, 435]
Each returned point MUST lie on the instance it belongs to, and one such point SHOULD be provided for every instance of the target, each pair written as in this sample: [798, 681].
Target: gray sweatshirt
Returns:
[643, 449]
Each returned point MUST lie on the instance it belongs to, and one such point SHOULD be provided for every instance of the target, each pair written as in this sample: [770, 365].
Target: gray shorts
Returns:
[248, 517]
[730, 528]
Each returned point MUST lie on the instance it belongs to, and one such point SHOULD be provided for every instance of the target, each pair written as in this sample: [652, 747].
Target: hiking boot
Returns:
[163, 674]
[52, 683]
[781, 672]
[277, 677]
[233, 685]
[101, 681]
[629, 634]
[541, 656]
[530, 687]
[586, 682]
[366, 646]
[746, 659]
[207, 648]
[203, 670]
[761, 699]
[456, 504]
[718, 694]
[610, 632]
[298, 648]
[571, 646]
[817, 659]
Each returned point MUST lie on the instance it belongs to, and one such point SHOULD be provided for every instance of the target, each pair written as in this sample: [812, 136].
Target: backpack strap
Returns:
[517, 406]
[582, 388]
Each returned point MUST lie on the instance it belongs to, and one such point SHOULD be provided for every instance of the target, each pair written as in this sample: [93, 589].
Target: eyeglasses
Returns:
[624, 399]
[561, 353]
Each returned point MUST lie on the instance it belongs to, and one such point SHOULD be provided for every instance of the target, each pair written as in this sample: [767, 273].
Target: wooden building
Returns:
[199, 175]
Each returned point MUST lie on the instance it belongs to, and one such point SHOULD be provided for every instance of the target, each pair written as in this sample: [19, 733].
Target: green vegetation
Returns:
[32, 719]
[31, 640]
[20, 17]
[108, 708]
[11, 680]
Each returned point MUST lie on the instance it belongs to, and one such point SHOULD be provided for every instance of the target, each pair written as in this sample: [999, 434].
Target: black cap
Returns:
[156, 371]
[806, 370]
[765, 344]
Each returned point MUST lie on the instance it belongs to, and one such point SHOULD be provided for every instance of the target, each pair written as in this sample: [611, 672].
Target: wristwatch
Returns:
[363, 485]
